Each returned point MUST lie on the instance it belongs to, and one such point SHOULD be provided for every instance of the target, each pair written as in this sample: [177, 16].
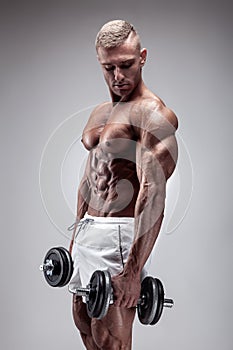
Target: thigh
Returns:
[83, 323]
[80, 316]
[114, 331]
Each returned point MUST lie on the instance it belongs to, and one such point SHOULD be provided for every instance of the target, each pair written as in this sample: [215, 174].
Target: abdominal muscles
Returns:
[114, 183]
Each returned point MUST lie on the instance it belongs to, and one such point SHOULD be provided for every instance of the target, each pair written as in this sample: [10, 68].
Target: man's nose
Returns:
[118, 75]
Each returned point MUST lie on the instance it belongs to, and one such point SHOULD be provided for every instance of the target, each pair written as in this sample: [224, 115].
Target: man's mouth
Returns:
[120, 85]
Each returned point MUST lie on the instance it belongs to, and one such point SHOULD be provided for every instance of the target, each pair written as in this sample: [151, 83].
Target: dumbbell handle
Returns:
[82, 292]
[86, 291]
[166, 303]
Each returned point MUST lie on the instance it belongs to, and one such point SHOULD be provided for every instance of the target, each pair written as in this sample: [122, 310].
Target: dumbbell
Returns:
[58, 268]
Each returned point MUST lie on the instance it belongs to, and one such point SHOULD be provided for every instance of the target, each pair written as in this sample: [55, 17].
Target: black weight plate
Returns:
[160, 301]
[55, 278]
[107, 291]
[65, 267]
[95, 298]
[147, 308]
[68, 266]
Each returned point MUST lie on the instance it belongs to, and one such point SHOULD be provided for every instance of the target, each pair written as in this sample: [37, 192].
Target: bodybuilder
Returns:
[121, 198]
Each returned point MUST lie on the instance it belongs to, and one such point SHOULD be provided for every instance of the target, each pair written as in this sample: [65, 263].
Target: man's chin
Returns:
[122, 93]
[119, 95]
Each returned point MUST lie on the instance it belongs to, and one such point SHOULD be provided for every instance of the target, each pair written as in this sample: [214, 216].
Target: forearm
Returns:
[141, 250]
[147, 227]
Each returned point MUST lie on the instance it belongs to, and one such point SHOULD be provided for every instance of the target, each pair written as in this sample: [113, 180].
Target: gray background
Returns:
[48, 72]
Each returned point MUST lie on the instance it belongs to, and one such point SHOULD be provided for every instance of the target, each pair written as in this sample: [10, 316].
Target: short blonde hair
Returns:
[114, 33]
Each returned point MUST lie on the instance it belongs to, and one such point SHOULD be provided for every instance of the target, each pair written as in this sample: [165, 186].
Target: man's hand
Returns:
[126, 290]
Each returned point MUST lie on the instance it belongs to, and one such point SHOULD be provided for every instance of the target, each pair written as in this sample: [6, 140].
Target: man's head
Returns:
[121, 57]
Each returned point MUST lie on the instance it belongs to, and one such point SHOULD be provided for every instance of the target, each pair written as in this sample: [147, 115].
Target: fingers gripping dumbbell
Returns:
[58, 268]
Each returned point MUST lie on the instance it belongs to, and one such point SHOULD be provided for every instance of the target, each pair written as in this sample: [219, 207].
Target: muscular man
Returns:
[121, 198]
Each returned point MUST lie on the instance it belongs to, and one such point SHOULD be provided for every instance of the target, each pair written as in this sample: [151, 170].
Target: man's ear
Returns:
[143, 55]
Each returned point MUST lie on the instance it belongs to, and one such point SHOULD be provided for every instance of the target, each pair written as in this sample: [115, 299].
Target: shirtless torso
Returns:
[114, 135]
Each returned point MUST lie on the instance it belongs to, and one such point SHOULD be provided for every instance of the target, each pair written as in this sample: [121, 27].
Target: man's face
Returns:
[122, 67]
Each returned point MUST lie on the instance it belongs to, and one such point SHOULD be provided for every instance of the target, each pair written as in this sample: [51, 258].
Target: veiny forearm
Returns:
[147, 226]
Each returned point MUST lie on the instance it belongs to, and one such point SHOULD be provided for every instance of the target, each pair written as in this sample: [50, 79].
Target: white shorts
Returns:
[101, 243]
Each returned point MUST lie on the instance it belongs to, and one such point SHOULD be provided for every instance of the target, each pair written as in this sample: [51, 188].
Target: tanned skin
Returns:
[132, 153]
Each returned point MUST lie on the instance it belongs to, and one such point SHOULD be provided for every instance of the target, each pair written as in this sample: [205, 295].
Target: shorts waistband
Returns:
[108, 219]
